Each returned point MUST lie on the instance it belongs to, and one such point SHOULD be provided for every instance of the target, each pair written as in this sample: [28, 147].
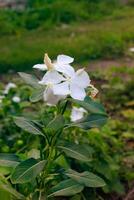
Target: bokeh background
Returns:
[89, 30]
[99, 34]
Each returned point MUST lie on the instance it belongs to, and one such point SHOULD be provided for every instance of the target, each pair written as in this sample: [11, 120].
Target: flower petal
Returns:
[61, 89]
[8, 87]
[41, 67]
[50, 98]
[52, 77]
[77, 113]
[16, 99]
[82, 78]
[65, 69]
[77, 92]
[63, 59]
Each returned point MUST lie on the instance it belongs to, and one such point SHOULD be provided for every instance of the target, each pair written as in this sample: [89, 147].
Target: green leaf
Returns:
[86, 178]
[56, 124]
[5, 186]
[12, 191]
[27, 170]
[30, 80]
[91, 121]
[37, 95]
[66, 188]
[8, 160]
[76, 151]
[5, 195]
[27, 125]
[90, 105]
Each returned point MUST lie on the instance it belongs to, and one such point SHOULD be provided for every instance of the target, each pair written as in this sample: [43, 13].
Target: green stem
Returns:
[50, 158]
[64, 108]
[83, 197]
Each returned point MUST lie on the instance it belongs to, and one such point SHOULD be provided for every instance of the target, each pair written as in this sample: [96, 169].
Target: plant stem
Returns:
[51, 146]
[64, 108]
[83, 197]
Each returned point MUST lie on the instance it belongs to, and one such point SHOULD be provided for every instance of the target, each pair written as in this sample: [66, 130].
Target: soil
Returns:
[106, 64]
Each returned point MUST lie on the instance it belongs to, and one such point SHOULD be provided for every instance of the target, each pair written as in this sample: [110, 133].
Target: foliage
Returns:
[43, 173]
[53, 12]
[107, 152]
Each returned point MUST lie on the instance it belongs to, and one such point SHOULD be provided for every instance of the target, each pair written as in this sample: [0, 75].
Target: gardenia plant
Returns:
[58, 166]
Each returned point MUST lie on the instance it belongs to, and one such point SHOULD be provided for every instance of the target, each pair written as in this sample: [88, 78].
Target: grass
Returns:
[89, 40]
[107, 39]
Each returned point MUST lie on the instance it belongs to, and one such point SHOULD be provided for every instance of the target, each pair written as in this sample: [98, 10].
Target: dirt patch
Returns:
[106, 64]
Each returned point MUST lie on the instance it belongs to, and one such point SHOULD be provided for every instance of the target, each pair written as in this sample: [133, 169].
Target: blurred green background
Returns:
[86, 29]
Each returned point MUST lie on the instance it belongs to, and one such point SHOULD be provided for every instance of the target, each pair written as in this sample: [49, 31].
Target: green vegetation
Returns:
[94, 32]
[111, 148]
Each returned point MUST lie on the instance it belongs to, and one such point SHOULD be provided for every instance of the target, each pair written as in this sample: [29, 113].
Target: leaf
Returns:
[27, 125]
[90, 105]
[56, 124]
[86, 178]
[5, 186]
[11, 190]
[91, 121]
[76, 151]
[37, 95]
[5, 195]
[62, 162]
[66, 188]
[27, 170]
[30, 80]
[8, 160]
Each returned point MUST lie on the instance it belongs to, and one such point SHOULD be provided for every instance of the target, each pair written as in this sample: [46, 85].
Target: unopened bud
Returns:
[48, 62]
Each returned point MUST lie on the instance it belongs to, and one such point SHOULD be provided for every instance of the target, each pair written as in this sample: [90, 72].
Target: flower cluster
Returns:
[62, 80]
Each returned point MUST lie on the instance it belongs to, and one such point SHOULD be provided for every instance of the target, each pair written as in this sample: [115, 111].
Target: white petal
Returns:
[82, 78]
[77, 92]
[63, 59]
[41, 67]
[16, 99]
[77, 113]
[50, 98]
[67, 70]
[61, 89]
[131, 49]
[8, 87]
[82, 110]
[51, 77]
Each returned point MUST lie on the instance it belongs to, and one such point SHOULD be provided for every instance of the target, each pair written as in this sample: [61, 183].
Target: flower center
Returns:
[49, 85]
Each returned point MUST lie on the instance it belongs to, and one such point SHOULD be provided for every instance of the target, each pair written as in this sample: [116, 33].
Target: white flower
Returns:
[77, 113]
[131, 49]
[50, 98]
[74, 85]
[8, 87]
[51, 78]
[62, 64]
[16, 99]
[62, 80]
